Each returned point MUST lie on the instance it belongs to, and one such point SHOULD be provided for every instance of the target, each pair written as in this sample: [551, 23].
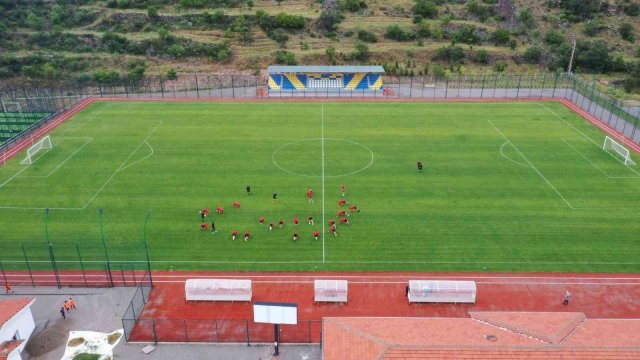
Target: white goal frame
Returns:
[44, 143]
[610, 144]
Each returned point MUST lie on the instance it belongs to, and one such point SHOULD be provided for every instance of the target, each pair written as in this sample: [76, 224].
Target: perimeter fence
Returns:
[84, 261]
[238, 331]
[49, 102]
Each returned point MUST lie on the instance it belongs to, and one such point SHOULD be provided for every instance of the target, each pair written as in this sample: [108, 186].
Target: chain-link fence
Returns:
[139, 299]
[29, 106]
[217, 330]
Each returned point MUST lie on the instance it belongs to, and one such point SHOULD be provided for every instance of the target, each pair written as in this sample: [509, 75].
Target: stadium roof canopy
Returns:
[324, 69]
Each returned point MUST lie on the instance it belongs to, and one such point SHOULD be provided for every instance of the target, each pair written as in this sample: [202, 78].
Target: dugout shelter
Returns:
[324, 78]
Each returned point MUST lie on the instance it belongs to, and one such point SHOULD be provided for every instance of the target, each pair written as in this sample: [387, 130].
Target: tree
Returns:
[626, 32]
[330, 17]
[594, 56]
[395, 32]
[106, 77]
[33, 21]
[580, 9]
[136, 74]
[353, 5]
[632, 9]
[452, 54]
[533, 55]
[526, 18]
[366, 36]
[361, 52]
[152, 13]
[500, 37]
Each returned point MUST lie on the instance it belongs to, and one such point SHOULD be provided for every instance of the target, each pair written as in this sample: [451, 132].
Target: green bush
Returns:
[500, 66]
[593, 27]
[467, 35]
[353, 5]
[483, 12]
[500, 37]
[176, 51]
[533, 54]
[286, 58]
[106, 77]
[626, 32]
[279, 36]
[425, 9]
[482, 56]
[554, 38]
[633, 9]
[423, 30]
[361, 52]
[172, 74]
[580, 9]
[439, 71]
[366, 36]
[452, 54]
[395, 32]
[525, 16]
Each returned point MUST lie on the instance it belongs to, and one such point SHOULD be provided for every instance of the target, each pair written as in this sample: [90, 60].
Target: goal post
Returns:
[610, 144]
[42, 144]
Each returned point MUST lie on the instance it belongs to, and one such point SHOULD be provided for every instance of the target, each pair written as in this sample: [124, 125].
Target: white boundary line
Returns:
[593, 164]
[323, 188]
[533, 167]
[144, 158]
[89, 139]
[322, 139]
[587, 137]
[510, 159]
[120, 168]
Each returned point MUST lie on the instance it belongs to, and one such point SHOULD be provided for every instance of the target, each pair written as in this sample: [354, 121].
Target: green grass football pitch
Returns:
[506, 187]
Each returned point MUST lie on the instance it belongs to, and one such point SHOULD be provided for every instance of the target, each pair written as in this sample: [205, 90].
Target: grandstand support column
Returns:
[26, 260]
[104, 245]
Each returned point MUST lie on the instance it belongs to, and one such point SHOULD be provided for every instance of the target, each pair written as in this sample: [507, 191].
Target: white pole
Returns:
[573, 50]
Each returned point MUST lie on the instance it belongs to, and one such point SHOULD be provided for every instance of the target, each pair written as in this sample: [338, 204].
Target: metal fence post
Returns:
[482, 89]
[217, 337]
[411, 88]
[518, 88]
[446, 88]
[197, 87]
[84, 276]
[233, 89]
[555, 83]
[153, 328]
[28, 265]
[247, 323]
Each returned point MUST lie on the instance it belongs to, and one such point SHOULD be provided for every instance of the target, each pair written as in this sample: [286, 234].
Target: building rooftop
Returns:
[7, 347]
[10, 307]
[486, 335]
[276, 69]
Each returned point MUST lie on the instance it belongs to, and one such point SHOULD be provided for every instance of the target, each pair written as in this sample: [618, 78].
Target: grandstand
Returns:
[13, 123]
[324, 78]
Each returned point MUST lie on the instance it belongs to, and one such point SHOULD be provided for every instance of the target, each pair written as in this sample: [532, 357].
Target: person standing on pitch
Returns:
[62, 313]
[213, 227]
[275, 198]
[248, 189]
[310, 195]
[567, 298]
[419, 166]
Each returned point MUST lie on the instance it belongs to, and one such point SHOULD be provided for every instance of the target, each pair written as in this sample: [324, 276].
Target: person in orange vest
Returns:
[7, 288]
[72, 303]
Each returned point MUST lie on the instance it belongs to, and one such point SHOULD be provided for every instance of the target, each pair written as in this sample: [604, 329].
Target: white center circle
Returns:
[288, 171]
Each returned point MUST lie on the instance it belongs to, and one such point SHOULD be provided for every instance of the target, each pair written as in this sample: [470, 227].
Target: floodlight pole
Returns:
[104, 245]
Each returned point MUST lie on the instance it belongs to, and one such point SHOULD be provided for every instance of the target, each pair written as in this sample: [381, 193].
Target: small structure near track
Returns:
[442, 291]
[218, 290]
[330, 290]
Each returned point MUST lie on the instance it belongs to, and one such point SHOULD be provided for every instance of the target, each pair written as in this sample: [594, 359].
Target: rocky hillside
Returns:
[89, 40]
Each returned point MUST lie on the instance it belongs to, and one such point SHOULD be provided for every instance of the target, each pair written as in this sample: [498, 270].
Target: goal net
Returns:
[610, 144]
[43, 144]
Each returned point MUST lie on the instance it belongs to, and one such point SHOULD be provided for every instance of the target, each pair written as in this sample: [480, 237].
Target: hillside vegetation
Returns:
[101, 41]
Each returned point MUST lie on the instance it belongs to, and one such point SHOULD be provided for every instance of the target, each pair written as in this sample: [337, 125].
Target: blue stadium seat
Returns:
[364, 83]
[286, 84]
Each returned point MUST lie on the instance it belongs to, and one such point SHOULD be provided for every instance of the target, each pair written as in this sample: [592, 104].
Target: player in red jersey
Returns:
[220, 210]
[234, 233]
[310, 195]
[204, 226]
[343, 189]
[295, 236]
[204, 213]
[353, 209]
[332, 230]
[341, 213]
[296, 221]
[344, 220]
[281, 224]
[310, 220]
[261, 220]
[342, 202]
[236, 204]
[247, 235]
[332, 222]
[316, 234]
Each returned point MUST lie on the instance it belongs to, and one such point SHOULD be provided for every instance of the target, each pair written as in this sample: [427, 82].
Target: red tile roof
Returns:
[10, 307]
[546, 326]
[7, 347]
[557, 336]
